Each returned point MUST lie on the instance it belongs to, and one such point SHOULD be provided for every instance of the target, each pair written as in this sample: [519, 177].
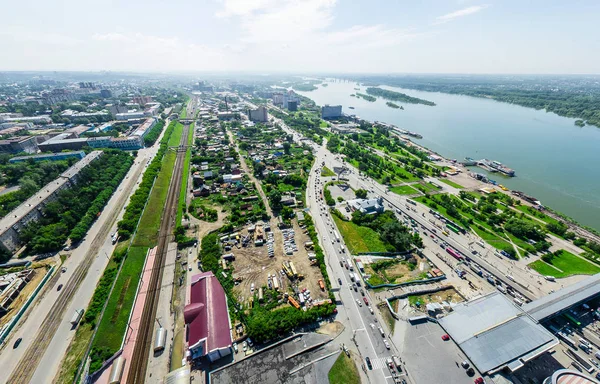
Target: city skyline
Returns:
[478, 37]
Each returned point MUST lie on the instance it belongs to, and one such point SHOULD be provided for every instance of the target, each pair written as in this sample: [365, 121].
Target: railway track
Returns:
[141, 350]
[28, 364]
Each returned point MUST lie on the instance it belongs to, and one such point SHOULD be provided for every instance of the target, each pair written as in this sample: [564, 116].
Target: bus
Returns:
[452, 228]
[572, 320]
[454, 254]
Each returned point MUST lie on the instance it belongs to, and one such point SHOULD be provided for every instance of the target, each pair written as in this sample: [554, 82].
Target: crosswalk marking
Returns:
[378, 363]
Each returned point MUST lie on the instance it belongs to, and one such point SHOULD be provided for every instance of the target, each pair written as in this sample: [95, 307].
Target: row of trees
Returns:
[154, 133]
[138, 200]
[30, 177]
[76, 208]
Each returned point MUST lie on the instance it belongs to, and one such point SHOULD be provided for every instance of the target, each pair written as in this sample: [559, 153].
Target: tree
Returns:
[361, 193]
[275, 198]
[286, 148]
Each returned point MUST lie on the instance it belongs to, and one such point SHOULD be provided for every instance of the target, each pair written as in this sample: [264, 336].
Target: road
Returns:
[358, 319]
[57, 332]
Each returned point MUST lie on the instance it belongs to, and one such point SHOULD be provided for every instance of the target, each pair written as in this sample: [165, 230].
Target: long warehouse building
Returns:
[32, 209]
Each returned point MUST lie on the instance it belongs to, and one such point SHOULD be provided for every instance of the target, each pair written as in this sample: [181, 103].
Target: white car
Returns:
[387, 345]
[359, 302]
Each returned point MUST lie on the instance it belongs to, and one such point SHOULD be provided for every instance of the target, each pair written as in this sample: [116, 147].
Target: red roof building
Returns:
[207, 318]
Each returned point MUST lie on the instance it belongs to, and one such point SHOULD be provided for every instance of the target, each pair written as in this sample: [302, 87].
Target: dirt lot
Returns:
[449, 295]
[253, 265]
[14, 307]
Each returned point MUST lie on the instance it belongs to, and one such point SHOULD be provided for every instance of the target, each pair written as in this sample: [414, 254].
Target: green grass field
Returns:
[359, 239]
[344, 371]
[404, 190]
[566, 264]
[325, 172]
[114, 322]
[452, 183]
[323, 124]
[185, 176]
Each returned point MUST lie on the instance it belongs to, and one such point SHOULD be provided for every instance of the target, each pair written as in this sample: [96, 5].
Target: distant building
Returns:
[115, 109]
[49, 156]
[128, 143]
[32, 208]
[292, 106]
[130, 115]
[63, 141]
[142, 100]
[226, 115]
[41, 119]
[331, 111]
[282, 99]
[207, 318]
[19, 144]
[105, 93]
[58, 96]
[79, 130]
[259, 114]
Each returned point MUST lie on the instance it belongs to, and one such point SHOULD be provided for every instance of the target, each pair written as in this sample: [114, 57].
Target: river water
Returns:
[554, 160]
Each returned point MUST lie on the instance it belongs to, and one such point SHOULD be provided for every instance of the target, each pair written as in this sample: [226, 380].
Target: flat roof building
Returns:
[568, 376]
[19, 144]
[259, 114]
[496, 334]
[32, 208]
[206, 316]
[145, 127]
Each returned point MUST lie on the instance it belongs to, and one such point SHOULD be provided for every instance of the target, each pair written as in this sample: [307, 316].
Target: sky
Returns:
[302, 36]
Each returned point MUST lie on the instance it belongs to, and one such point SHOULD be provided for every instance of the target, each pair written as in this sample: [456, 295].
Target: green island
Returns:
[393, 105]
[397, 96]
[366, 97]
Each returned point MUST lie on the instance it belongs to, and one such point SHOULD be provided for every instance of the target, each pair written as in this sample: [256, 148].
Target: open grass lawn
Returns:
[404, 190]
[452, 183]
[344, 371]
[147, 232]
[534, 212]
[323, 124]
[77, 348]
[183, 113]
[358, 238]
[325, 172]
[185, 176]
[114, 322]
[175, 138]
[492, 239]
[566, 262]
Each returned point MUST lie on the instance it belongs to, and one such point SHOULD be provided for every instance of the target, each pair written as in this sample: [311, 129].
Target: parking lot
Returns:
[258, 266]
[429, 359]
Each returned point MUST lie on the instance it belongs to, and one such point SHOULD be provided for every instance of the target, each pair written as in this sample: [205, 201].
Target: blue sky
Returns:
[375, 36]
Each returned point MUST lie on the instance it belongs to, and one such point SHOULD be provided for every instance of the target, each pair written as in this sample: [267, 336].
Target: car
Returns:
[64, 269]
[362, 292]
[465, 364]
[369, 365]
[59, 287]
[17, 342]
[235, 347]
[366, 301]
[479, 380]
[339, 281]
[359, 302]
[387, 345]
[470, 372]
[445, 337]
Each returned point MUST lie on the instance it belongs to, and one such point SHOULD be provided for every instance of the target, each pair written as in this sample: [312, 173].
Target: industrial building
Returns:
[568, 376]
[19, 144]
[206, 315]
[145, 127]
[258, 115]
[496, 334]
[331, 111]
[49, 156]
[32, 209]
[63, 141]
[130, 115]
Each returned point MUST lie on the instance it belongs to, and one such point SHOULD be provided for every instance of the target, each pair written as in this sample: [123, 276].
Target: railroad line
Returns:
[141, 350]
[28, 364]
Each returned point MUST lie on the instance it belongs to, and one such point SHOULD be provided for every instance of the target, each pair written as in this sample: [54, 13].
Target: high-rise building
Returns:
[105, 93]
[292, 106]
[259, 114]
[331, 111]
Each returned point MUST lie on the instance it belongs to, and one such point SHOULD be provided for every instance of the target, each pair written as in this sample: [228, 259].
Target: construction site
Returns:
[276, 260]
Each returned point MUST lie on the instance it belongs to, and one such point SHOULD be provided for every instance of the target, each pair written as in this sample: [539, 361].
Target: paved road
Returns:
[28, 327]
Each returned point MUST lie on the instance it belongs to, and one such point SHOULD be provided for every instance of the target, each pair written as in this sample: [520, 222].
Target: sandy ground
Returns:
[14, 307]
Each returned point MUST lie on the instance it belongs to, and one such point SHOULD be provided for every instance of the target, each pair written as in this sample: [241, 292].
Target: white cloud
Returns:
[243, 7]
[460, 13]
[370, 35]
[29, 35]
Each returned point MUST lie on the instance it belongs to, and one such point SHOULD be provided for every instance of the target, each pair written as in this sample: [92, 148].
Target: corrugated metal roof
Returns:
[564, 298]
[493, 333]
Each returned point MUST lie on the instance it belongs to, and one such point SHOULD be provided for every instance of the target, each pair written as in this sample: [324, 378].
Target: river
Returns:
[554, 160]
